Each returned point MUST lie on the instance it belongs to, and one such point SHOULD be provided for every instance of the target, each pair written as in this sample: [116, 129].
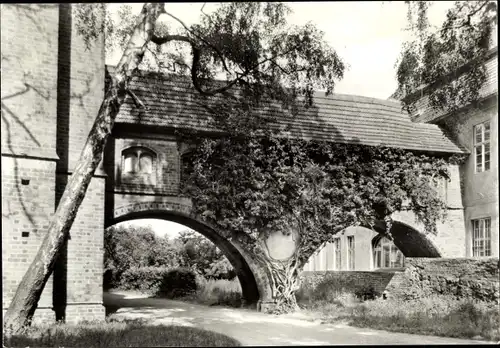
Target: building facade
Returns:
[52, 86]
[475, 128]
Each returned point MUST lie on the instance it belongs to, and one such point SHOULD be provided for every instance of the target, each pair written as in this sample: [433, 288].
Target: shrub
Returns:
[145, 279]
[176, 283]
[324, 291]
[367, 293]
[220, 292]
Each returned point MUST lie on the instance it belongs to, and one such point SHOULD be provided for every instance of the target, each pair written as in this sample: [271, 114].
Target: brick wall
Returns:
[85, 89]
[348, 281]
[463, 278]
[78, 275]
[52, 87]
[82, 268]
[26, 210]
[29, 79]
[28, 138]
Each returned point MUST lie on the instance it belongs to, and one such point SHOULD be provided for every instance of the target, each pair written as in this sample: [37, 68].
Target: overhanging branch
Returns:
[196, 64]
[138, 103]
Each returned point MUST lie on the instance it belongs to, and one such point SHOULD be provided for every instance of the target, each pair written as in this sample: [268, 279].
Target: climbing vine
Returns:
[258, 185]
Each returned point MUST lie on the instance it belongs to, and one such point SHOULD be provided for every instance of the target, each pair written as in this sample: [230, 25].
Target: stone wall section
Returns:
[352, 281]
[466, 278]
[462, 278]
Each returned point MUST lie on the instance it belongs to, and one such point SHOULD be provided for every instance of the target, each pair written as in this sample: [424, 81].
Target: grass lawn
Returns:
[118, 334]
[438, 316]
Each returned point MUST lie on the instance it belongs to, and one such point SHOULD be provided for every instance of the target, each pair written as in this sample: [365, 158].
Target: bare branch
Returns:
[476, 10]
[202, 39]
[138, 103]
[196, 63]
[467, 22]
[196, 60]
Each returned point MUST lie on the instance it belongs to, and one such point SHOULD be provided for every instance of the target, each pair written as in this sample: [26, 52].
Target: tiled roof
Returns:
[172, 102]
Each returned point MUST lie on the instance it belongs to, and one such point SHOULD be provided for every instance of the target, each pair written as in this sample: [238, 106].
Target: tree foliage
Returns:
[250, 186]
[200, 254]
[258, 185]
[136, 249]
[449, 61]
[250, 45]
[137, 246]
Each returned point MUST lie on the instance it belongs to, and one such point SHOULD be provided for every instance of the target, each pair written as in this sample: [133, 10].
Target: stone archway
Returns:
[254, 282]
[409, 240]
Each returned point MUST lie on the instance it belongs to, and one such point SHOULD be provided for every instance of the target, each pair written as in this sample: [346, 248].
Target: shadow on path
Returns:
[255, 328]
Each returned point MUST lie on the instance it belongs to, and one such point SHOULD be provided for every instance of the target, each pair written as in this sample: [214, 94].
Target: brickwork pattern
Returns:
[85, 254]
[28, 193]
[353, 280]
[29, 79]
[52, 87]
[86, 91]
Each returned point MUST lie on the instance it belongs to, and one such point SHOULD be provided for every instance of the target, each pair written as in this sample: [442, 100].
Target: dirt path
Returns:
[254, 328]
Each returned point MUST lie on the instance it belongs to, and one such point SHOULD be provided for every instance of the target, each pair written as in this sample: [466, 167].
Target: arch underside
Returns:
[245, 275]
[410, 241]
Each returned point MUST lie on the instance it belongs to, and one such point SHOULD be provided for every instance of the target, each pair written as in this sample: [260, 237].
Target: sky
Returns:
[367, 35]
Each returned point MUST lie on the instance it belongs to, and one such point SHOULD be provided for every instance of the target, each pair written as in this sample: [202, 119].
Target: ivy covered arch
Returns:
[260, 185]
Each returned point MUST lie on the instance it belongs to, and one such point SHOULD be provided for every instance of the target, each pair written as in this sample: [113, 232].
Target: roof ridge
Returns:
[317, 93]
[338, 117]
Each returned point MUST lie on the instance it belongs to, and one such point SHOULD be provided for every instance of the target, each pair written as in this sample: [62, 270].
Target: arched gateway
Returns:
[254, 288]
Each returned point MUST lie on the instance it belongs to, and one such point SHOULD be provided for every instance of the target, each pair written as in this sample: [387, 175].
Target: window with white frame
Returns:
[482, 146]
[350, 252]
[337, 258]
[481, 237]
[386, 254]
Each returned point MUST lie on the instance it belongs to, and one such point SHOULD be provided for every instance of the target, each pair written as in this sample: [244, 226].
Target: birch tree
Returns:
[250, 43]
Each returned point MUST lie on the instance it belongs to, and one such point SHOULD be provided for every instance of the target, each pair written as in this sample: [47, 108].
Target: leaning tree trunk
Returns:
[24, 303]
